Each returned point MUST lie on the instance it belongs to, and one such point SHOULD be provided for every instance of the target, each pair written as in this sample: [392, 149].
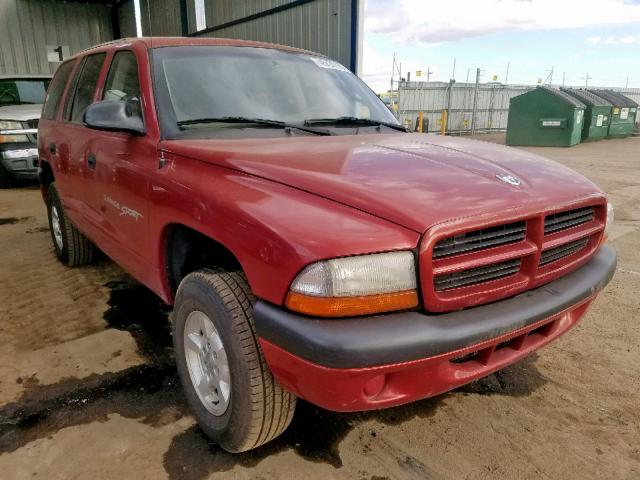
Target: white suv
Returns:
[21, 99]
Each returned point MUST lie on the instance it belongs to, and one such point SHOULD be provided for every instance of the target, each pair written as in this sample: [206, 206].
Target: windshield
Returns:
[20, 91]
[218, 82]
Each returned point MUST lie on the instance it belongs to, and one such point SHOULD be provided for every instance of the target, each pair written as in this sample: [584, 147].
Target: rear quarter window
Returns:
[56, 89]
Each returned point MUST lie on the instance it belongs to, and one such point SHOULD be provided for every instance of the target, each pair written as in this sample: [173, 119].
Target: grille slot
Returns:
[563, 220]
[476, 275]
[480, 239]
[562, 251]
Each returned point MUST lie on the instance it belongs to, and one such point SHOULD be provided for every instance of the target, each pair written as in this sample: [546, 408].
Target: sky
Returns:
[575, 38]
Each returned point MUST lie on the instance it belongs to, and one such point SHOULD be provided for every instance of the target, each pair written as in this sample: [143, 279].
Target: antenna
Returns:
[549, 78]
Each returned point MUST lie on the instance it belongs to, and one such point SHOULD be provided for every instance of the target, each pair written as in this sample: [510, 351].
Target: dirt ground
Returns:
[88, 390]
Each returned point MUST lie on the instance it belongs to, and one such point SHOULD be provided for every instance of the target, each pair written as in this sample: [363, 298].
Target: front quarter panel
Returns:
[272, 229]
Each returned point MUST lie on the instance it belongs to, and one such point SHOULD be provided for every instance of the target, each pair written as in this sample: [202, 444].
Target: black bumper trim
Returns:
[402, 337]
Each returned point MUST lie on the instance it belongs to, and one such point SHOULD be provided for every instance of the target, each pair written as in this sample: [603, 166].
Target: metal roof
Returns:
[615, 98]
[25, 77]
[587, 97]
[564, 96]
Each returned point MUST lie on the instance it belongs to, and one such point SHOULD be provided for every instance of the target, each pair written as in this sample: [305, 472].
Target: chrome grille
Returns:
[476, 275]
[564, 220]
[562, 251]
[480, 239]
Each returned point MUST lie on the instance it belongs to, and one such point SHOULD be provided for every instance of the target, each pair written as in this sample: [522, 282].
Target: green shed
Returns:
[596, 115]
[623, 113]
[546, 117]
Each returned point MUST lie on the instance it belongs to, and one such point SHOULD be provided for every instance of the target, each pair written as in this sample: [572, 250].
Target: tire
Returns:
[71, 246]
[256, 409]
[5, 179]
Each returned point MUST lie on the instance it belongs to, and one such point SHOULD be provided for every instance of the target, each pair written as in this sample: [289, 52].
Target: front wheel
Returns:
[226, 380]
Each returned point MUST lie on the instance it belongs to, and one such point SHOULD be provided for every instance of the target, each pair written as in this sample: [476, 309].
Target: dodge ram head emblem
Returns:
[510, 179]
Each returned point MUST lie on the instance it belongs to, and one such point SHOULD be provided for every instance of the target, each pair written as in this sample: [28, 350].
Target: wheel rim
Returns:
[207, 363]
[55, 225]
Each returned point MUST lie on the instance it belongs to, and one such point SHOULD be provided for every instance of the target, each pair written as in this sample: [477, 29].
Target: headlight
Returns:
[358, 285]
[9, 125]
[610, 217]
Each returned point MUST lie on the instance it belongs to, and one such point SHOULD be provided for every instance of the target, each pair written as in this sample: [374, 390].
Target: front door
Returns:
[122, 164]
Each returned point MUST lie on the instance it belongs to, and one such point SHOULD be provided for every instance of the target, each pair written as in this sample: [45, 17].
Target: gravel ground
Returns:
[88, 390]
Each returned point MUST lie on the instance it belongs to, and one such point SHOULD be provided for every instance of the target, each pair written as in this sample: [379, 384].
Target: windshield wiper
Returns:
[354, 121]
[256, 121]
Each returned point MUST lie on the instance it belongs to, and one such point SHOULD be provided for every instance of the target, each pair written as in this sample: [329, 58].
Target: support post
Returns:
[475, 103]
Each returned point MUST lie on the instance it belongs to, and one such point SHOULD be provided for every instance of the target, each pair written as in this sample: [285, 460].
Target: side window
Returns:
[86, 85]
[56, 89]
[122, 81]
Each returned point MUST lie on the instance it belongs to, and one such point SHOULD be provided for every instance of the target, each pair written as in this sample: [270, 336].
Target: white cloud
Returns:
[428, 22]
[610, 40]
[629, 39]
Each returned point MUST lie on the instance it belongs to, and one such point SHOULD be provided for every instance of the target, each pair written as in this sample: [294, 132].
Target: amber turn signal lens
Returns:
[351, 306]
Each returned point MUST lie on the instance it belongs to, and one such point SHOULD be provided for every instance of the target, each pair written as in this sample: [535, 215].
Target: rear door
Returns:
[73, 137]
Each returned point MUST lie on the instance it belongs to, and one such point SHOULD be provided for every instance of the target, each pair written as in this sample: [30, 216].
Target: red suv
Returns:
[310, 246]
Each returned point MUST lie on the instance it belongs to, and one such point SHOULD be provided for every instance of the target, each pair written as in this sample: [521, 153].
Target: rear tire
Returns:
[256, 409]
[71, 246]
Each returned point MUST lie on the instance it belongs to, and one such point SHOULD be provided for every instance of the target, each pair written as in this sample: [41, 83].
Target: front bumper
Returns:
[19, 161]
[375, 362]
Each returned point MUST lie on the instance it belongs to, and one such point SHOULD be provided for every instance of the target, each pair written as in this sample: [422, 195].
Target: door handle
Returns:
[91, 161]
[53, 149]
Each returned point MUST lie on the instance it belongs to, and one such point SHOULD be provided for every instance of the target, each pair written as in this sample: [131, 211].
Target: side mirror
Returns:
[114, 116]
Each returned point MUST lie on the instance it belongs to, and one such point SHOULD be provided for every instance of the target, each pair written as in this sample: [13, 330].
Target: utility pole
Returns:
[394, 68]
[563, 76]
[468, 71]
[453, 74]
[475, 102]
[549, 79]
[506, 76]
[429, 73]
[626, 84]
[393, 72]
[586, 80]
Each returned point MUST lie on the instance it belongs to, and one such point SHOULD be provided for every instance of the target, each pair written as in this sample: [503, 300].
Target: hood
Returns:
[21, 113]
[414, 180]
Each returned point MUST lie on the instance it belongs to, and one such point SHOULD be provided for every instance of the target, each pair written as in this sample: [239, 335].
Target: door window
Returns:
[86, 86]
[56, 89]
[122, 81]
